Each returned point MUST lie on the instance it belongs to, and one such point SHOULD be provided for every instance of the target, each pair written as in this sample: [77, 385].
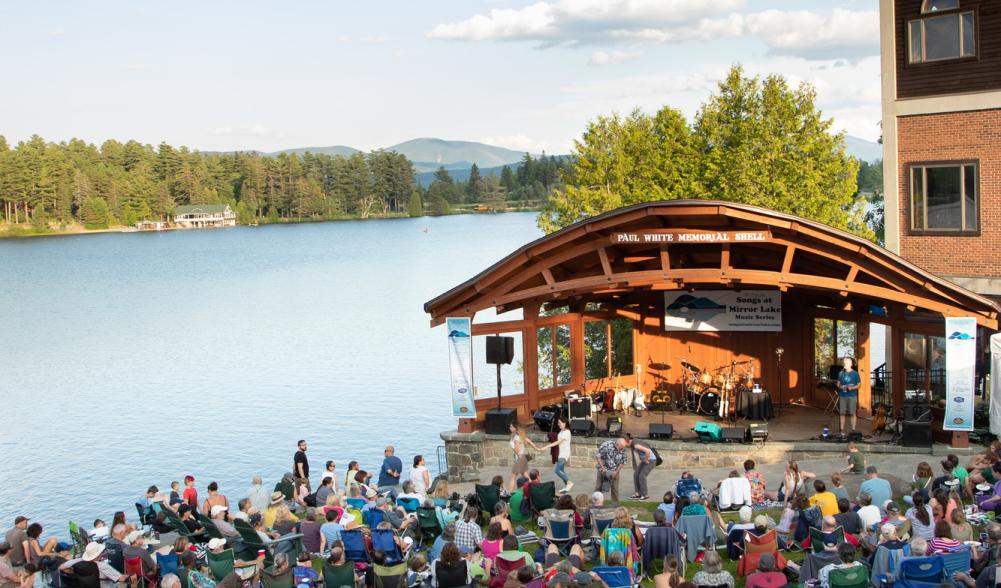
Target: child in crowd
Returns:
[419, 575]
[856, 460]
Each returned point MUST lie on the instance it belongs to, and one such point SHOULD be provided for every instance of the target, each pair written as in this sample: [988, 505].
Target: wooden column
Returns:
[862, 365]
[577, 375]
[530, 351]
[896, 357]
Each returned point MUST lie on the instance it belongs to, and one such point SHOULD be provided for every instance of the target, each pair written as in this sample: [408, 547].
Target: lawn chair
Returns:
[559, 529]
[354, 546]
[394, 576]
[408, 504]
[600, 520]
[356, 503]
[699, 532]
[514, 507]
[957, 560]
[82, 574]
[621, 540]
[657, 543]
[272, 580]
[614, 576]
[818, 537]
[134, 567]
[209, 525]
[542, 496]
[489, 496]
[754, 547]
[853, 577]
[428, 526]
[735, 543]
[504, 567]
[385, 540]
[79, 540]
[929, 569]
[145, 515]
[221, 564]
[339, 576]
[115, 556]
[372, 517]
[166, 564]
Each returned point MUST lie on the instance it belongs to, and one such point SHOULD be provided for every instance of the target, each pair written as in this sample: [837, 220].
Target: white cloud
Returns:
[839, 33]
[517, 142]
[610, 57]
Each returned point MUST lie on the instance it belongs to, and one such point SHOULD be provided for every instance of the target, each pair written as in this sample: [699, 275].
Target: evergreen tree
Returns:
[415, 207]
[474, 188]
[95, 214]
[437, 200]
[507, 179]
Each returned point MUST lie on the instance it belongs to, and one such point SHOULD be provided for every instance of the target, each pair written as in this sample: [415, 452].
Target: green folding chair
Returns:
[817, 538]
[489, 496]
[272, 580]
[221, 564]
[342, 576]
[854, 577]
[394, 576]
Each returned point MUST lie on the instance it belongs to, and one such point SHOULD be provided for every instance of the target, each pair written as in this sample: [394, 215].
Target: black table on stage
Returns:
[755, 406]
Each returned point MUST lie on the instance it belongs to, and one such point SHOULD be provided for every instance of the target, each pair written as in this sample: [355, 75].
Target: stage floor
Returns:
[791, 422]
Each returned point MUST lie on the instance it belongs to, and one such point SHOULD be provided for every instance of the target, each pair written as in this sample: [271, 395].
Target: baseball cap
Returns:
[558, 579]
[216, 543]
[218, 509]
[581, 580]
[892, 507]
[133, 537]
[382, 501]
[761, 521]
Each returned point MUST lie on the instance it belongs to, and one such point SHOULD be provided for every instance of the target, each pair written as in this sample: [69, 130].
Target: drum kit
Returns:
[714, 392]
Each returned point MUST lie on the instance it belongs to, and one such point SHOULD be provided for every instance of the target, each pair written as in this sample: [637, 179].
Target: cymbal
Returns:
[691, 366]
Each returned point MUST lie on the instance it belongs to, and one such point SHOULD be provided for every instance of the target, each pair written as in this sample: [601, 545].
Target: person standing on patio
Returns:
[848, 385]
[563, 457]
[389, 475]
[300, 464]
[611, 456]
[644, 460]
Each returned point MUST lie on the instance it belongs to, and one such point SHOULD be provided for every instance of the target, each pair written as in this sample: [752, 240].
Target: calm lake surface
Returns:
[134, 359]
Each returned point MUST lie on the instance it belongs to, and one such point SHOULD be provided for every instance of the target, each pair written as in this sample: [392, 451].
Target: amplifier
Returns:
[661, 431]
[579, 408]
[499, 420]
[915, 434]
[582, 427]
[545, 418]
[758, 431]
[732, 435]
[916, 412]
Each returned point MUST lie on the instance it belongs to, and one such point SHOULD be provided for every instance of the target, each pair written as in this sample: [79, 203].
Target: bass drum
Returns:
[708, 404]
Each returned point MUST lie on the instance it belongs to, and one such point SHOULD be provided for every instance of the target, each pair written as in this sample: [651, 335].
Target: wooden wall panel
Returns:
[977, 74]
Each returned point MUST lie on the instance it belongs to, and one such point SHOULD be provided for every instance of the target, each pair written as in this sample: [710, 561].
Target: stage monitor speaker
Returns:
[499, 420]
[579, 408]
[500, 349]
[732, 434]
[758, 431]
[917, 412]
[915, 434]
[613, 426]
[661, 431]
[545, 418]
[582, 427]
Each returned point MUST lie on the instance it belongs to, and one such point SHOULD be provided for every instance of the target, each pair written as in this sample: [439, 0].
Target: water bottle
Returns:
[826, 433]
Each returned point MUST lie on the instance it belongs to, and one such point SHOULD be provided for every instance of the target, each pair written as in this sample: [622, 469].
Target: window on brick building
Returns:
[936, 37]
[944, 197]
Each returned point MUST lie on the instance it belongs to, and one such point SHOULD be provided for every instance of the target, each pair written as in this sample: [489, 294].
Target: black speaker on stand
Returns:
[500, 350]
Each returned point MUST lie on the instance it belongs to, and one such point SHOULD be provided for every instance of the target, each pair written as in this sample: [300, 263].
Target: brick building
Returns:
[941, 84]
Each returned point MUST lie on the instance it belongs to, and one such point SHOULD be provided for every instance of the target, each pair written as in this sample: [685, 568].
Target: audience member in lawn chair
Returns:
[661, 540]
[846, 559]
[696, 531]
[616, 539]
[756, 546]
[616, 574]
[767, 575]
[889, 551]
[559, 529]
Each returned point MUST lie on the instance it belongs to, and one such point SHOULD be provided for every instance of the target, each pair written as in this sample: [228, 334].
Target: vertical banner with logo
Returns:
[960, 371]
[460, 361]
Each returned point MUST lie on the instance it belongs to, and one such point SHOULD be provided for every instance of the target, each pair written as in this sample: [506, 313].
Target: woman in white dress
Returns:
[420, 477]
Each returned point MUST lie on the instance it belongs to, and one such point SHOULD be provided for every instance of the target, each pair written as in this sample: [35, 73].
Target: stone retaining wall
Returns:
[469, 453]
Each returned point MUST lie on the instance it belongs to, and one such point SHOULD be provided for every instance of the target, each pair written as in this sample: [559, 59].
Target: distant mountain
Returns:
[862, 149]
[342, 150]
[439, 151]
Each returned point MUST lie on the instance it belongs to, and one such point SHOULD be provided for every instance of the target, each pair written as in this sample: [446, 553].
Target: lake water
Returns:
[134, 359]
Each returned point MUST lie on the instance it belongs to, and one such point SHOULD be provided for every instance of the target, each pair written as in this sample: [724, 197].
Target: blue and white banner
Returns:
[460, 361]
[960, 371]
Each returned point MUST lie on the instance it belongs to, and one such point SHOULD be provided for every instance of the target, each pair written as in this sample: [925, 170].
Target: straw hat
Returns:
[277, 498]
[93, 551]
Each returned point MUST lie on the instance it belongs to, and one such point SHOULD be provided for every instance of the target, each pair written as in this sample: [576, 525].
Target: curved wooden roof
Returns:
[583, 261]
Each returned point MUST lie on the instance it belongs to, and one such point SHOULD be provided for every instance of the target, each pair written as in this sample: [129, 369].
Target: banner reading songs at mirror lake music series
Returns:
[723, 310]
[960, 370]
[460, 361]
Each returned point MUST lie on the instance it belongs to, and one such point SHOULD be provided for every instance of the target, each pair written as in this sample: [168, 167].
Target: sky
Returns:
[528, 75]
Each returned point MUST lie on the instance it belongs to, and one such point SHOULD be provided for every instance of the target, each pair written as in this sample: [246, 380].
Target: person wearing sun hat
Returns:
[93, 563]
[218, 514]
[271, 512]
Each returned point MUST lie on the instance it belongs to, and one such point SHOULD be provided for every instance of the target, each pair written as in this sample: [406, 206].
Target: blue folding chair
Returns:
[957, 560]
[166, 564]
[614, 576]
[354, 546]
[922, 569]
[409, 504]
[356, 503]
[372, 517]
[385, 540]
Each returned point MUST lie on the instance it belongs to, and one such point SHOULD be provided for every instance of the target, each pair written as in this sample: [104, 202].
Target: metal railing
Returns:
[442, 460]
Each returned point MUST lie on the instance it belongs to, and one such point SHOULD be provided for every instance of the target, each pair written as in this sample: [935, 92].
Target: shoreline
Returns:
[26, 230]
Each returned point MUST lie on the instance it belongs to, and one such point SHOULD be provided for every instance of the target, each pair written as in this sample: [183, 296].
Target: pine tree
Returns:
[507, 179]
[437, 201]
[474, 187]
[415, 207]
[95, 214]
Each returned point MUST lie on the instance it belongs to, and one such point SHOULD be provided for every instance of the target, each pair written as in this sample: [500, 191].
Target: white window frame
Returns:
[921, 171]
[962, 36]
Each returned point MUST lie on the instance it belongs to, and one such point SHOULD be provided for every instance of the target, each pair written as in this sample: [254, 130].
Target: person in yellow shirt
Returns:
[824, 499]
